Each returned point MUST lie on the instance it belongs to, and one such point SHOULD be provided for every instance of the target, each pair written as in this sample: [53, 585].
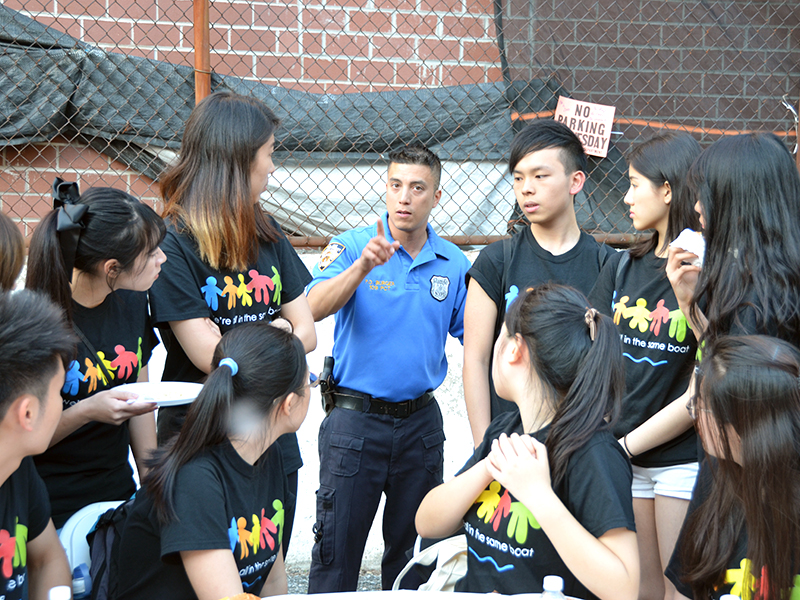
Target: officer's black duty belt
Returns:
[353, 400]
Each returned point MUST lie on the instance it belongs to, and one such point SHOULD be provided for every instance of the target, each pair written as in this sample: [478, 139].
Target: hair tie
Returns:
[69, 221]
[231, 364]
[589, 318]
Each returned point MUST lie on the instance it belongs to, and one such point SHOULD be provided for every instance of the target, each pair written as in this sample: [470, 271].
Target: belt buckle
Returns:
[403, 409]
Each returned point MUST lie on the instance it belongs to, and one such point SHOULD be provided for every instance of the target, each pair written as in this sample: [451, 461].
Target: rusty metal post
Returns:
[202, 51]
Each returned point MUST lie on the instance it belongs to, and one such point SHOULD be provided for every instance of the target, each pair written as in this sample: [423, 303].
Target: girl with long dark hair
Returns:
[742, 535]
[12, 253]
[746, 190]
[229, 263]
[96, 255]
[548, 491]
[209, 520]
[659, 348]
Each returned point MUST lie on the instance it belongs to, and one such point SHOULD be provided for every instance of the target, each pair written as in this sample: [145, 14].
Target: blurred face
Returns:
[710, 434]
[410, 197]
[543, 188]
[698, 208]
[145, 271]
[262, 168]
[649, 204]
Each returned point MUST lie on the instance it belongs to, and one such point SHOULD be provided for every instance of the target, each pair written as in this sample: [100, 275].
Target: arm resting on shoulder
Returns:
[276, 583]
[47, 564]
[442, 511]
[212, 573]
[298, 313]
[480, 314]
[198, 338]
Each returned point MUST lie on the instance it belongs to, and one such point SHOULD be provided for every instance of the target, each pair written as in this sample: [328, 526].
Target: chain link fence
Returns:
[97, 91]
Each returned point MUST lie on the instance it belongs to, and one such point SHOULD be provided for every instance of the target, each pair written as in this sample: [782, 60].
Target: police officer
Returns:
[397, 289]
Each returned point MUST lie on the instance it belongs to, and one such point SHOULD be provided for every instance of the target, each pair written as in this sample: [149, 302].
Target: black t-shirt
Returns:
[740, 579]
[506, 268]
[744, 323]
[188, 288]
[508, 551]
[91, 464]
[24, 515]
[221, 502]
[658, 345]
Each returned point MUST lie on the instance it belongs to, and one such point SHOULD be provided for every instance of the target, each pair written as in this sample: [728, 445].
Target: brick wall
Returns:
[332, 46]
[708, 64]
[27, 172]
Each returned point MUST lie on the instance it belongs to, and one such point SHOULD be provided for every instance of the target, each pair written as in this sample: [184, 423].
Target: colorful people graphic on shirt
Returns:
[230, 291]
[620, 308]
[639, 315]
[265, 532]
[261, 285]
[521, 519]
[72, 379]
[125, 363]
[13, 550]
[658, 317]
[245, 292]
[125, 366]
[92, 374]
[276, 279]
[211, 293]
[502, 511]
[488, 500]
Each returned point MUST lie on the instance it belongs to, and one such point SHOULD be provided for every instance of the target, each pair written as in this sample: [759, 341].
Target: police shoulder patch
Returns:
[440, 287]
[330, 254]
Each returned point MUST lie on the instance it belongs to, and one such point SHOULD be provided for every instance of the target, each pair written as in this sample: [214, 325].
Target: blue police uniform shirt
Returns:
[389, 338]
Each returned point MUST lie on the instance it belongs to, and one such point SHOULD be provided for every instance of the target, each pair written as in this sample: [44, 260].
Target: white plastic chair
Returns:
[73, 534]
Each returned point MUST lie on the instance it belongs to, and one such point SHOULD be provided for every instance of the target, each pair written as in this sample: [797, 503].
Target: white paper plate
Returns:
[163, 393]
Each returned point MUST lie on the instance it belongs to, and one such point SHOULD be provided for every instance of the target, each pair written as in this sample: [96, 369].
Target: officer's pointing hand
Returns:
[378, 251]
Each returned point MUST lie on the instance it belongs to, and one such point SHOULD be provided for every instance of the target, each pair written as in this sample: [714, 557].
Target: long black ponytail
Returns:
[576, 354]
[269, 364]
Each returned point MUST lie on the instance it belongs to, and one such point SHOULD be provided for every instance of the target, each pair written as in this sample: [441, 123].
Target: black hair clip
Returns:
[69, 221]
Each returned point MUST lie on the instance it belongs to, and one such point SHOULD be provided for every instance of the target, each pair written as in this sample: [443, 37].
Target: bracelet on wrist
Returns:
[625, 445]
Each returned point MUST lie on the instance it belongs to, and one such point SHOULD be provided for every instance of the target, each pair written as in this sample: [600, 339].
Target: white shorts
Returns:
[676, 481]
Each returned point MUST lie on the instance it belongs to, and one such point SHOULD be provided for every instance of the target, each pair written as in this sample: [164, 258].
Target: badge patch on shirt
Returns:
[440, 286]
[330, 254]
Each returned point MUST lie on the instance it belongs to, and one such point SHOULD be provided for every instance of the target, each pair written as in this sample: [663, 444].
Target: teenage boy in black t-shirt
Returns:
[35, 347]
[548, 165]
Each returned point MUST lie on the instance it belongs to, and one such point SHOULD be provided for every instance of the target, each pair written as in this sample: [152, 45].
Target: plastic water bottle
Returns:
[60, 592]
[553, 588]
[81, 582]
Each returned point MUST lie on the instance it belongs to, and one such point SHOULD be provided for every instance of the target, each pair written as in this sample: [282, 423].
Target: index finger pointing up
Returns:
[381, 233]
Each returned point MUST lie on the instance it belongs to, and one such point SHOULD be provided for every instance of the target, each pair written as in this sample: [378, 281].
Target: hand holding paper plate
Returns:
[163, 393]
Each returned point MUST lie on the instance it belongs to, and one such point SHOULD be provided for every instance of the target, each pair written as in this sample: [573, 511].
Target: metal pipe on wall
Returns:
[202, 51]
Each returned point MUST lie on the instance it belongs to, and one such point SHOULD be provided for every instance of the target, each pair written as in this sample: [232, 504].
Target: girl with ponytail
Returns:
[548, 492]
[210, 518]
[96, 255]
